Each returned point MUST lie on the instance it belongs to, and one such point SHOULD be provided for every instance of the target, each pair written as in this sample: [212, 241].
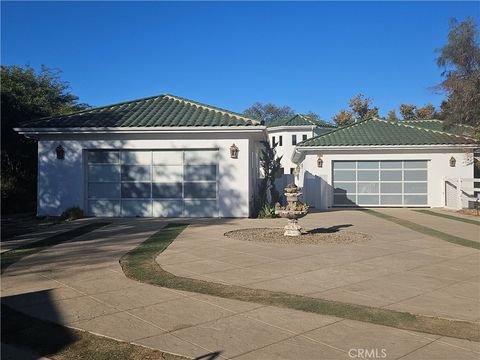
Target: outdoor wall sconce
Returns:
[453, 162]
[234, 151]
[319, 161]
[60, 152]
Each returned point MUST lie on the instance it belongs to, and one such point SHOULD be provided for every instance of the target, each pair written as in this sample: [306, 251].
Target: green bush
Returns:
[72, 213]
[267, 212]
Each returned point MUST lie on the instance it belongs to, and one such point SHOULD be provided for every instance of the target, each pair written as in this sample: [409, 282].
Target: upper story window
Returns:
[294, 139]
[280, 140]
[304, 137]
[273, 140]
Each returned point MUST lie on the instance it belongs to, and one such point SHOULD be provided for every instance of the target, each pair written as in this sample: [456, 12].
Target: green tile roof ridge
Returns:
[154, 111]
[426, 129]
[451, 128]
[433, 120]
[312, 141]
[307, 121]
[214, 108]
[80, 112]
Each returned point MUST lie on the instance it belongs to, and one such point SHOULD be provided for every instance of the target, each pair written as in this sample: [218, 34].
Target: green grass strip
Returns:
[426, 230]
[451, 217]
[45, 338]
[139, 264]
[11, 257]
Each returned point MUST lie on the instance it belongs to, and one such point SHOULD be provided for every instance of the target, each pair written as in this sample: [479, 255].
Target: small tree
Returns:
[270, 166]
[392, 115]
[408, 111]
[425, 113]
[360, 109]
[343, 117]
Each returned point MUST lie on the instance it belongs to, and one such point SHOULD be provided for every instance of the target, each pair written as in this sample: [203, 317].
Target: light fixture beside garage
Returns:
[234, 151]
[453, 162]
[60, 151]
[319, 161]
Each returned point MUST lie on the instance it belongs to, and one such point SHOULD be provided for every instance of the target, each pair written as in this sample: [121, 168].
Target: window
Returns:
[294, 139]
[273, 140]
[280, 140]
[304, 137]
[292, 170]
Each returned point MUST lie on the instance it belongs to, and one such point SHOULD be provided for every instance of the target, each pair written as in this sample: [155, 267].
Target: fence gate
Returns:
[461, 193]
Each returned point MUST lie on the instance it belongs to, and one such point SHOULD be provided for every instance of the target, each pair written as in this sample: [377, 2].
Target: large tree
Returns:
[268, 112]
[460, 61]
[27, 95]
[360, 109]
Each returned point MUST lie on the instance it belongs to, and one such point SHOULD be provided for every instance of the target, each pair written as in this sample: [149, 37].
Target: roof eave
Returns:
[386, 147]
[136, 130]
[301, 151]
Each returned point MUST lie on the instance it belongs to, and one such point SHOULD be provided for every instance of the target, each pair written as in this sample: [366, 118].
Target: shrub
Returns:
[72, 213]
[267, 212]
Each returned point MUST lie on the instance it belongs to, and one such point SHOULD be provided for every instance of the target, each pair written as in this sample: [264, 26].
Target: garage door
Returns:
[380, 183]
[152, 183]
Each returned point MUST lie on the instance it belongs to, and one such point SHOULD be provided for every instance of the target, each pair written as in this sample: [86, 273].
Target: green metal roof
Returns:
[299, 120]
[439, 125]
[383, 132]
[156, 111]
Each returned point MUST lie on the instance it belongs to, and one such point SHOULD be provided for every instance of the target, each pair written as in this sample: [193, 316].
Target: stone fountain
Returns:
[293, 211]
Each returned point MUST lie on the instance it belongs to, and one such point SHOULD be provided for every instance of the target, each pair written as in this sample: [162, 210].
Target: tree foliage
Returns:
[268, 112]
[460, 61]
[343, 117]
[27, 95]
[313, 116]
[426, 112]
[360, 109]
[408, 111]
[392, 115]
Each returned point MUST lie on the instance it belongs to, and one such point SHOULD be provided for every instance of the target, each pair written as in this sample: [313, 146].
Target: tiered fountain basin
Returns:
[293, 211]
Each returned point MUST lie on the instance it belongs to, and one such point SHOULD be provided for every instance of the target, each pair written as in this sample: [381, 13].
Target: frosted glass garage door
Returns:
[380, 183]
[144, 183]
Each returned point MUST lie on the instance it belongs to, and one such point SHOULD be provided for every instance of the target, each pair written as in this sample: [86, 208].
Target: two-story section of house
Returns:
[287, 133]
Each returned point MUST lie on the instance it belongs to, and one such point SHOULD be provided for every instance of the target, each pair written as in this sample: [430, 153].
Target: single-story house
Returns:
[166, 156]
[162, 156]
[382, 163]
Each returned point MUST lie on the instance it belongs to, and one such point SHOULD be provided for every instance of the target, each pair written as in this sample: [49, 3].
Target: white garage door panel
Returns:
[380, 183]
[152, 183]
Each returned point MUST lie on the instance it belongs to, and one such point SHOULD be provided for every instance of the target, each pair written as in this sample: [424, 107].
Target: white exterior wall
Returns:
[287, 149]
[61, 183]
[317, 182]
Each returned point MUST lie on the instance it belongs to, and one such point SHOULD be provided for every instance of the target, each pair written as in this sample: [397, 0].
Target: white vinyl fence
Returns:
[461, 193]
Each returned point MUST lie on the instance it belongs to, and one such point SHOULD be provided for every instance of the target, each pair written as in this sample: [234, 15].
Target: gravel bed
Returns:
[316, 237]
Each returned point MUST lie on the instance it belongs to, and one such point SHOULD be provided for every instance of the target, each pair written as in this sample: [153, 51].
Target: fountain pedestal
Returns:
[293, 211]
[292, 228]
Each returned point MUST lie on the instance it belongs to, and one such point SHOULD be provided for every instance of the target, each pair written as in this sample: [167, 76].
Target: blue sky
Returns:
[312, 56]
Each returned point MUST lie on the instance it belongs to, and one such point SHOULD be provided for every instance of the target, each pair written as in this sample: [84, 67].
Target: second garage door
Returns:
[380, 183]
[158, 183]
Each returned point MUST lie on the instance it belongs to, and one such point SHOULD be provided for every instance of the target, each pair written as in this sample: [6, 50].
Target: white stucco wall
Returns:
[317, 182]
[61, 183]
[286, 150]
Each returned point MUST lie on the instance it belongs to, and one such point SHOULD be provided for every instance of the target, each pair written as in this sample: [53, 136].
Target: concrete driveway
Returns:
[397, 269]
[80, 284]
